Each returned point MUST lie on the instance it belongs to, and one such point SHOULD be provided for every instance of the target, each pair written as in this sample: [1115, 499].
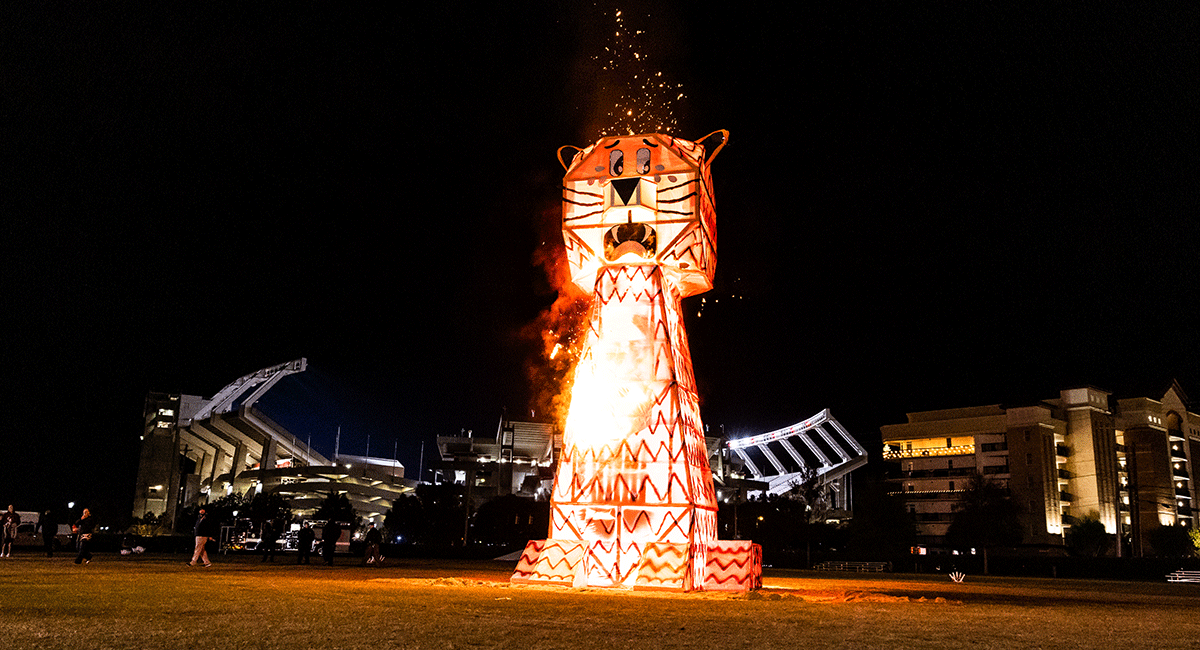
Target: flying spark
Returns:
[640, 104]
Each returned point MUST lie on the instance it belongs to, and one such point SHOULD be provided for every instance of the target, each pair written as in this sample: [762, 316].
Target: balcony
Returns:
[1064, 473]
[1062, 450]
[892, 453]
[1066, 497]
[939, 473]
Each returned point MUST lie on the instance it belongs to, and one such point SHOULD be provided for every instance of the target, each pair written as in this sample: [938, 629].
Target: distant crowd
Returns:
[206, 531]
[48, 527]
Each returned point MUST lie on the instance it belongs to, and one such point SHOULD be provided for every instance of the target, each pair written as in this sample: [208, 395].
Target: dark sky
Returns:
[921, 206]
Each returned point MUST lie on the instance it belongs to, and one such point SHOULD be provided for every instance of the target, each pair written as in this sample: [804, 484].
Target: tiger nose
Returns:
[625, 187]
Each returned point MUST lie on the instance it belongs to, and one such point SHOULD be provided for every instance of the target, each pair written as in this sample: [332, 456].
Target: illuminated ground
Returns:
[241, 603]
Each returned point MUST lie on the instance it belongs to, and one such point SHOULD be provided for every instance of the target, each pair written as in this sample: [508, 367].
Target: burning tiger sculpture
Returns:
[633, 502]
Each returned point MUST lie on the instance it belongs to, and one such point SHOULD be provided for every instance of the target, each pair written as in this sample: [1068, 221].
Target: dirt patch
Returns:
[841, 596]
[766, 593]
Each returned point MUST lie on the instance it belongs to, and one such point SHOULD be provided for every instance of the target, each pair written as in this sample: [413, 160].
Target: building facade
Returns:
[518, 460]
[1126, 461]
[195, 450]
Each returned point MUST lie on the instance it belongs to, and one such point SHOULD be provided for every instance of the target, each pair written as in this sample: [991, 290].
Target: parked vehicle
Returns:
[343, 543]
[28, 536]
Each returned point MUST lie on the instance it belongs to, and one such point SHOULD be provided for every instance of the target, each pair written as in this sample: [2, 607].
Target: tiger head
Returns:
[642, 199]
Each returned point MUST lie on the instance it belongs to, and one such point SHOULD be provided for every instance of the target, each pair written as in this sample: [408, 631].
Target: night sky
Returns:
[922, 205]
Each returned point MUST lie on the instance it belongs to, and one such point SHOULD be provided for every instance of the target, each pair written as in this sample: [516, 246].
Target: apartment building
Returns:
[1127, 460]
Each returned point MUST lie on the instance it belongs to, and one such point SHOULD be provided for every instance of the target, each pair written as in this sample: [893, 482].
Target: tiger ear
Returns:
[713, 143]
[566, 162]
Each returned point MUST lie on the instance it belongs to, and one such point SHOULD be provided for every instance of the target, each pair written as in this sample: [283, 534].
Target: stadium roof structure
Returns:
[194, 449]
[819, 446]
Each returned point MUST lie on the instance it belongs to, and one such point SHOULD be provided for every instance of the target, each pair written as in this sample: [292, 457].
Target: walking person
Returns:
[205, 530]
[373, 538]
[83, 537]
[305, 543]
[49, 527]
[11, 521]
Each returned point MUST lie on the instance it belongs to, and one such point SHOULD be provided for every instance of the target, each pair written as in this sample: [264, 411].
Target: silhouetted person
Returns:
[267, 542]
[305, 543]
[49, 527]
[11, 521]
[374, 538]
[83, 542]
[329, 538]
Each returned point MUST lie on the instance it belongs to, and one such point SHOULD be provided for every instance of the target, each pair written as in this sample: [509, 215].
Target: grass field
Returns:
[154, 602]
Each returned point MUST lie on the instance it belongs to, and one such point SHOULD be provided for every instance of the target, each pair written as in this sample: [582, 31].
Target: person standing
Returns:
[329, 538]
[205, 530]
[373, 538]
[305, 543]
[49, 528]
[267, 540]
[11, 521]
[83, 537]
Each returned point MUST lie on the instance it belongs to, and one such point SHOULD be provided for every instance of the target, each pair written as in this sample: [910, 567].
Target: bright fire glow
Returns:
[613, 381]
[633, 502]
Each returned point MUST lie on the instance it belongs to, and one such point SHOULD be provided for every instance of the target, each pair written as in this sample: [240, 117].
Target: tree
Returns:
[1172, 541]
[405, 520]
[337, 507]
[812, 492]
[1087, 536]
[880, 523]
[510, 520]
[433, 516]
[221, 509]
[986, 518]
[776, 522]
[149, 526]
[264, 507]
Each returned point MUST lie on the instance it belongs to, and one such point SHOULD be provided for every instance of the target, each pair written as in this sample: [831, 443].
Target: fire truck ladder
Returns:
[837, 442]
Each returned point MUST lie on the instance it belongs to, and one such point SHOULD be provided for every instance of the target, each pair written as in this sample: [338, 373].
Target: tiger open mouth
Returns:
[636, 238]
